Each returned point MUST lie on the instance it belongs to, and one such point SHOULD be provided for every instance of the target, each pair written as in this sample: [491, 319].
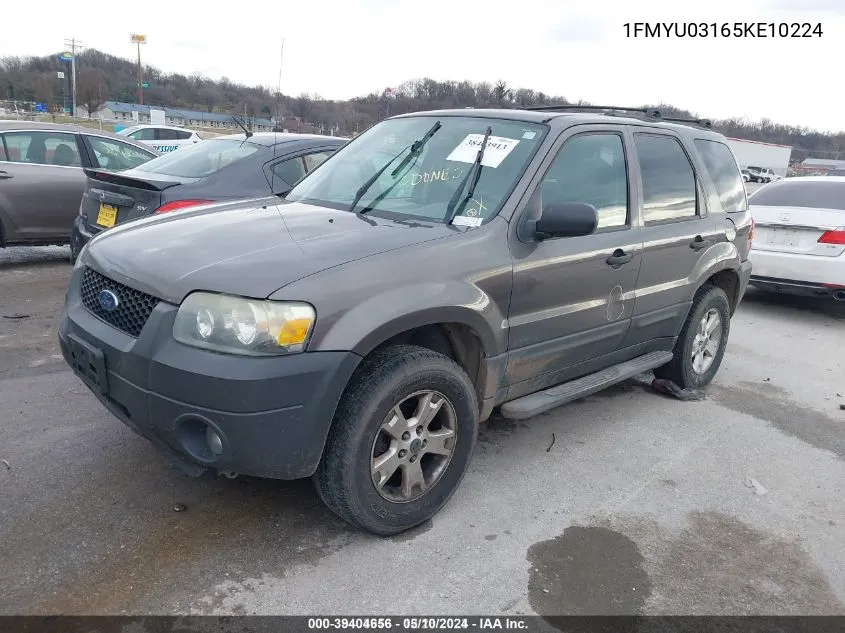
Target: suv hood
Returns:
[248, 248]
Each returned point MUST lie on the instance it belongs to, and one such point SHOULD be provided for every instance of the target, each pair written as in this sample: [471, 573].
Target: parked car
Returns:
[163, 138]
[439, 265]
[224, 168]
[760, 174]
[839, 171]
[42, 178]
[799, 244]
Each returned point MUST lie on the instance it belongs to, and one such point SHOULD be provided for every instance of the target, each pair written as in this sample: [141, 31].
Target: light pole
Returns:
[138, 39]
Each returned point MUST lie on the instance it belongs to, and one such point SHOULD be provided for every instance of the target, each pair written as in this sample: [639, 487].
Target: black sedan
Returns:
[224, 168]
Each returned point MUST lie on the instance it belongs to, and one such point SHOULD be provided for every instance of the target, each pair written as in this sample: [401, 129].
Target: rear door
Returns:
[677, 231]
[41, 184]
[797, 216]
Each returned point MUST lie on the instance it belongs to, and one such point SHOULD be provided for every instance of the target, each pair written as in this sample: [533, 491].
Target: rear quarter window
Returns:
[796, 192]
[722, 168]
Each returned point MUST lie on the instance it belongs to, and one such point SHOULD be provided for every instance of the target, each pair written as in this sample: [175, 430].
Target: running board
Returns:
[542, 401]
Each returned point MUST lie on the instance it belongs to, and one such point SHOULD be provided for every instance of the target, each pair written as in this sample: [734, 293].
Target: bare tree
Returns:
[91, 89]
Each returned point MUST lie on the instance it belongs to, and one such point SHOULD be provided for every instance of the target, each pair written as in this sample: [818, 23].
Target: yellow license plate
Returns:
[107, 215]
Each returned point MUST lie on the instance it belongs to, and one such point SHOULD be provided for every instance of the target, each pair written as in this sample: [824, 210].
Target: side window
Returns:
[590, 168]
[116, 155]
[313, 160]
[290, 170]
[144, 134]
[182, 135]
[163, 134]
[720, 164]
[669, 186]
[43, 148]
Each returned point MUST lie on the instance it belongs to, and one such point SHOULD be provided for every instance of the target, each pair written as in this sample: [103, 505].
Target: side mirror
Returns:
[568, 219]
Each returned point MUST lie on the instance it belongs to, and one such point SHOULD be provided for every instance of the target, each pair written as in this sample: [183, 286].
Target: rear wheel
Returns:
[400, 442]
[701, 345]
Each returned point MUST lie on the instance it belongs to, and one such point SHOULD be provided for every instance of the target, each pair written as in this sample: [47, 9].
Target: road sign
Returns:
[60, 75]
[145, 84]
[41, 107]
[135, 38]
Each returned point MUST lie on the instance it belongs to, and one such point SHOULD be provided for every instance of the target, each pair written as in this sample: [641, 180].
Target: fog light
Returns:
[215, 442]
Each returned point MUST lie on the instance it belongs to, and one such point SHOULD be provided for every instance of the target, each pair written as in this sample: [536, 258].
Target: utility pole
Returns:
[73, 44]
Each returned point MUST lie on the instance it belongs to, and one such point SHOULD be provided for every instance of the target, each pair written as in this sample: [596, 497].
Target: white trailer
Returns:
[764, 155]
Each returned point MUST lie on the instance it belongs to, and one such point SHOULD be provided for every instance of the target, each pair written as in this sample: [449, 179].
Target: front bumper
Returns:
[272, 415]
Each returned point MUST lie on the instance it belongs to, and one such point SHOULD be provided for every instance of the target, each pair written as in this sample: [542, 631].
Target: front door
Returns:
[571, 300]
[42, 184]
[677, 231]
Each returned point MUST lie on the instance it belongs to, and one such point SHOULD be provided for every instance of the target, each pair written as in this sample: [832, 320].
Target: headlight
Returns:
[243, 326]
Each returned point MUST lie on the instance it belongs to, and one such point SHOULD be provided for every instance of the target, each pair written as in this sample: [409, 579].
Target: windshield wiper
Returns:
[415, 147]
[472, 175]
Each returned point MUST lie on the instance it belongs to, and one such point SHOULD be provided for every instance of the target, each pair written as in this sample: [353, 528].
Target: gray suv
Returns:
[439, 266]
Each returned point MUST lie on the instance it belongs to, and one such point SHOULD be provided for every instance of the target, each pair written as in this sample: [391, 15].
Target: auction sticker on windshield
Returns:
[496, 150]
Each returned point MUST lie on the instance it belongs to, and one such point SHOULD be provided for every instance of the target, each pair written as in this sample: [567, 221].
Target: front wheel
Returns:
[401, 440]
[701, 345]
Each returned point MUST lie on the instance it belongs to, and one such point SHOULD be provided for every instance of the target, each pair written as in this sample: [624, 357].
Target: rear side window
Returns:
[721, 165]
[163, 134]
[797, 192]
[182, 135]
[201, 159]
[43, 148]
[669, 187]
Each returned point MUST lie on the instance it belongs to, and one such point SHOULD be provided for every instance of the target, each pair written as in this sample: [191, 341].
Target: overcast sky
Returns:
[345, 48]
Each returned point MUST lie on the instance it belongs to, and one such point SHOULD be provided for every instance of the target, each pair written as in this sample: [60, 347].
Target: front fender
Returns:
[381, 317]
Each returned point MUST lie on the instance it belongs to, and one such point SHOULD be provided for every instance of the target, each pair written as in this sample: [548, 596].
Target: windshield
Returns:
[796, 192]
[424, 185]
[201, 159]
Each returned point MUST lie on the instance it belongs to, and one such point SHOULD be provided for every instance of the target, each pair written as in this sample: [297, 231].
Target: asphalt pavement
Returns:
[624, 502]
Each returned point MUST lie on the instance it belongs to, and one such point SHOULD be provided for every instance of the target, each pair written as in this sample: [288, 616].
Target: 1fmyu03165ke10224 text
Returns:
[723, 29]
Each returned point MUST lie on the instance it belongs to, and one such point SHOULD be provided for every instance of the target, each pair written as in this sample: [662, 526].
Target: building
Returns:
[765, 155]
[132, 113]
[819, 165]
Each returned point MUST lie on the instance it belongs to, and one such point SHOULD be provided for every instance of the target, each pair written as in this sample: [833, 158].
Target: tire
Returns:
[681, 369]
[346, 479]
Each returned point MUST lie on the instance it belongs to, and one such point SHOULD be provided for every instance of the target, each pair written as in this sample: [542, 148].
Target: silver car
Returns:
[41, 177]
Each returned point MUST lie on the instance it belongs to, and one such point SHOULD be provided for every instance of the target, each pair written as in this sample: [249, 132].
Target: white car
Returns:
[799, 236]
[162, 138]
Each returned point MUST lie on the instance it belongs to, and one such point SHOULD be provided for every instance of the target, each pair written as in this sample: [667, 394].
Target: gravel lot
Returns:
[642, 504]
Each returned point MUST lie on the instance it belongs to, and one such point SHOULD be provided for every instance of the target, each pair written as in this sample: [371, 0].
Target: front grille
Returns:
[133, 308]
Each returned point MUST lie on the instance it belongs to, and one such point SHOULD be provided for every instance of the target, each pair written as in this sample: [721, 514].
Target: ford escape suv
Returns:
[440, 265]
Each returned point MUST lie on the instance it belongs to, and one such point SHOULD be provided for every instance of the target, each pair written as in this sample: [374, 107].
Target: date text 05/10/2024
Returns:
[723, 29]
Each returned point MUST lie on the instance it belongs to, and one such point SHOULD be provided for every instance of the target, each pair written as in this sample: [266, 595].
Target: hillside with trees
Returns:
[102, 77]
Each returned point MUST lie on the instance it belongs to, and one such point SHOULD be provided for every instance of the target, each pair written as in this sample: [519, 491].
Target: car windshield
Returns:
[201, 159]
[423, 185]
[796, 192]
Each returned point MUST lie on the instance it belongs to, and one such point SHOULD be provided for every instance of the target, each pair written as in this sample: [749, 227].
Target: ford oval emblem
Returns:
[108, 300]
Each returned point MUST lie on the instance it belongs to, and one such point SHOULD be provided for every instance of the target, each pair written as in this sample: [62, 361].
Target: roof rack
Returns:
[653, 113]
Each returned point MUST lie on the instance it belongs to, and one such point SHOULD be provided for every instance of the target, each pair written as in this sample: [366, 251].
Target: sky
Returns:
[340, 49]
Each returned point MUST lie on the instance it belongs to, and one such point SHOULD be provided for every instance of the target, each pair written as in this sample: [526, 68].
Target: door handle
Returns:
[699, 242]
[619, 258]
[5, 174]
